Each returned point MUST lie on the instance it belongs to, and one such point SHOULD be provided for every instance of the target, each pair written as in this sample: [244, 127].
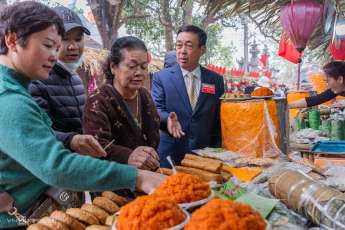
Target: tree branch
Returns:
[124, 20]
[259, 26]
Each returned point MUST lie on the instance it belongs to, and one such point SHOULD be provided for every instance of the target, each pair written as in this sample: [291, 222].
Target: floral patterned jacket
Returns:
[108, 118]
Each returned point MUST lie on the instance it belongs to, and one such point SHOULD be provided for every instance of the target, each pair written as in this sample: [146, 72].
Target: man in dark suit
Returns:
[187, 99]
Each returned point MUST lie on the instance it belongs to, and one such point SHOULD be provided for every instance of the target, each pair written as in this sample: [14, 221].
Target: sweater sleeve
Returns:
[28, 139]
[96, 122]
[320, 98]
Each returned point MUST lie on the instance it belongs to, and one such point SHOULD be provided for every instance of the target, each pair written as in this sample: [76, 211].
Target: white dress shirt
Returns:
[187, 81]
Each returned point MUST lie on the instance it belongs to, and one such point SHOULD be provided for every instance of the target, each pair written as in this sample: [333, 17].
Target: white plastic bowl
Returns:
[196, 204]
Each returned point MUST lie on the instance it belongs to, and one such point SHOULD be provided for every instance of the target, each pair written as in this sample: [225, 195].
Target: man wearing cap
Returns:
[62, 95]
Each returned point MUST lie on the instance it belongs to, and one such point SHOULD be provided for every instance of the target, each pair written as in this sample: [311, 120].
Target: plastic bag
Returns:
[250, 127]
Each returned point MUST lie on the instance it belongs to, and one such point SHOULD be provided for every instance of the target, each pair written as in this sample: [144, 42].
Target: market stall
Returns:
[289, 193]
[253, 182]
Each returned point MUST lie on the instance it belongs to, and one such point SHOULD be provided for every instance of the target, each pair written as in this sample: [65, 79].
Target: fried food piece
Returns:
[203, 163]
[202, 174]
[165, 171]
[106, 204]
[83, 216]
[72, 223]
[119, 200]
[110, 220]
[96, 211]
[38, 227]
[200, 158]
[53, 224]
[98, 227]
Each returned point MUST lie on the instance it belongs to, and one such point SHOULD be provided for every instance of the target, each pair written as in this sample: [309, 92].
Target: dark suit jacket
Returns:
[201, 126]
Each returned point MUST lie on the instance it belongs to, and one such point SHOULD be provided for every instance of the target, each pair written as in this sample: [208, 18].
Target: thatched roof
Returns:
[93, 60]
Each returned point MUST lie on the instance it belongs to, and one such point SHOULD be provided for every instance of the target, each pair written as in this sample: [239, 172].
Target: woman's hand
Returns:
[174, 126]
[87, 145]
[302, 103]
[144, 157]
[147, 181]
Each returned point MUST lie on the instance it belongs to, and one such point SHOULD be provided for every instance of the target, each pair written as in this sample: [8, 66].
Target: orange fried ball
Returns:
[262, 91]
[149, 213]
[226, 215]
[183, 188]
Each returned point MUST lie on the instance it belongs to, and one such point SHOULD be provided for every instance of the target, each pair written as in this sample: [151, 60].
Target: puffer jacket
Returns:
[63, 96]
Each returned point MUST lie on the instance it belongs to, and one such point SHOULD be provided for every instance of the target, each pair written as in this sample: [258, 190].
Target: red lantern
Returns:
[287, 50]
[299, 19]
[338, 54]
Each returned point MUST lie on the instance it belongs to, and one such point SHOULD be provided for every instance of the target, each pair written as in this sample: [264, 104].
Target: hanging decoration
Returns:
[299, 19]
[288, 51]
[337, 53]
[263, 60]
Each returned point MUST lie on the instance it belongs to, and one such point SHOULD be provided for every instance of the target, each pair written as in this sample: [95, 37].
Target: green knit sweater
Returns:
[31, 158]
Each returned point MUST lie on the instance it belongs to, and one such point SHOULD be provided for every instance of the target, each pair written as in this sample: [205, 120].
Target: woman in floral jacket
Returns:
[121, 114]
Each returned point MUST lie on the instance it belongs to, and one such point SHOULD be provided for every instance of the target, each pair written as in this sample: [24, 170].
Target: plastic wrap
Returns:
[282, 218]
[335, 177]
[250, 127]
[323, 205]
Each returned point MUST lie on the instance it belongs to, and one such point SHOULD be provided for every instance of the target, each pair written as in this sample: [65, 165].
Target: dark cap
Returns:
[70, 19]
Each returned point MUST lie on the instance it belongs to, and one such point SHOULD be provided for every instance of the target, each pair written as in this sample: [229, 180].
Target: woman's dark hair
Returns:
[116, 56]
[196, 30]
[335, 69]
[26, 18]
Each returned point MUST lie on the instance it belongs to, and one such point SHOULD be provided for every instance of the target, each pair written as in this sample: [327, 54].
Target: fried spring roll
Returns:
[204, 175]
[165, 171]
[199, 158]
[203, 165]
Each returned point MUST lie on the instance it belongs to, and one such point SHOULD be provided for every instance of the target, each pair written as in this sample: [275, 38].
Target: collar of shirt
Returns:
[10, 79]
[196, 72]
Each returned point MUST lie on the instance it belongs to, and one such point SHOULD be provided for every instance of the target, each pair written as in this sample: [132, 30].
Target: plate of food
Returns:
[152, 212]
[236, 99]
[226, 214]
[261, 97]
[188, 191]
[195, 204]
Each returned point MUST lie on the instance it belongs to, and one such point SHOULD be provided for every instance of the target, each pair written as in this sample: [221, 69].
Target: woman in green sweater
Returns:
[31, 158]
